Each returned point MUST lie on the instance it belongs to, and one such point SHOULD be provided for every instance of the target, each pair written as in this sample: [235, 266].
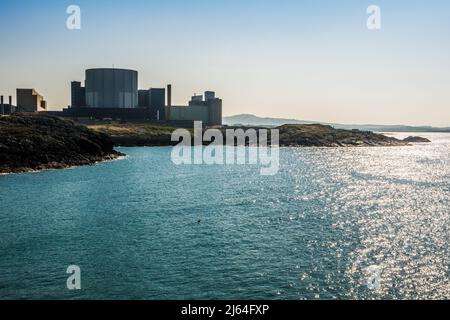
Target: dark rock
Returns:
[317, 135]
[37, 141]
[416, 139]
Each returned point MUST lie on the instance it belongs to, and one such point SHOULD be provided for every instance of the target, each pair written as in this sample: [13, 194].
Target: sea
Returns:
[333, 223]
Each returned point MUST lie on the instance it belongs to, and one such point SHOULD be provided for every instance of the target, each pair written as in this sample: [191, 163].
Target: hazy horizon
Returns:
[324, 122]
[308, 60]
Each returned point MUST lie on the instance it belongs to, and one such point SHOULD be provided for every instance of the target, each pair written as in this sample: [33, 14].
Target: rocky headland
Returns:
[297, 135]
[30, 142]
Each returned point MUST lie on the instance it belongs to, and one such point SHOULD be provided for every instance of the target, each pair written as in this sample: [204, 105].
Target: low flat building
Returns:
[209, 111]
[29, 100]
[6, 108]
[189, 113]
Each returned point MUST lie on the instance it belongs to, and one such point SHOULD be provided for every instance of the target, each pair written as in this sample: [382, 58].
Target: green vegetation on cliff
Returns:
[136, 134]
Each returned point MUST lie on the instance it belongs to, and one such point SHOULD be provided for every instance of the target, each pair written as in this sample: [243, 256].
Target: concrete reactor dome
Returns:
[111, 88]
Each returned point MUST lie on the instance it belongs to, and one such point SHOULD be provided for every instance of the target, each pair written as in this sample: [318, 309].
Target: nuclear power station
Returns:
[111, 93]
[111, 88]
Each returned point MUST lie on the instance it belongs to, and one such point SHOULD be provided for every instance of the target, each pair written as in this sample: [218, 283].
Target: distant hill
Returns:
[252, 120]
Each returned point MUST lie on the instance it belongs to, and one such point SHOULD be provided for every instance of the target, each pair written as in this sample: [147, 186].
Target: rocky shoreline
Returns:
[310, 135]
[33, 142]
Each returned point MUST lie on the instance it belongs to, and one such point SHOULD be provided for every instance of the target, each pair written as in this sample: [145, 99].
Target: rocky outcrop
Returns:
[317, 135]
[31, 142]
[414, 139]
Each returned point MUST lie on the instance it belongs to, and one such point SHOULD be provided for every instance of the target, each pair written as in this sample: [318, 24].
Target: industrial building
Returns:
[154, 100]
[78, 94]
[111, 88]
[208, 110]
[7, 108]
[29, 100]
[114, 94]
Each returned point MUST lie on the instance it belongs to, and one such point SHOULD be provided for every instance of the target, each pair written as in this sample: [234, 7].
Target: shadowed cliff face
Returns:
[37, 141]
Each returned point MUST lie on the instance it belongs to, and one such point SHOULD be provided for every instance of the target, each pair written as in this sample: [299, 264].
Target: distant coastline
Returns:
[253, 120]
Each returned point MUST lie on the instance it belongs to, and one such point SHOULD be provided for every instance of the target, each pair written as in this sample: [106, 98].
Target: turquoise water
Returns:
[313, 231]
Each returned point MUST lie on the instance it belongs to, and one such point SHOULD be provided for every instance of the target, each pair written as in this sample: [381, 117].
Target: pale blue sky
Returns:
[312, 60]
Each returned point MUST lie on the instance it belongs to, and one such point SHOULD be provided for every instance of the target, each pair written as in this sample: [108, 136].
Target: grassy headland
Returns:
[301, 135]
[136, 134]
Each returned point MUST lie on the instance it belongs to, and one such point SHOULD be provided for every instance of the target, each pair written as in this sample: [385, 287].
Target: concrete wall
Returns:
[158, 103]
[111, 88]
[7, 109]
[215, 112]
[144, 98]
[28, 100]
[137, 114]
[78, 95]
[209, 112]
[189, 113]
[155, 100]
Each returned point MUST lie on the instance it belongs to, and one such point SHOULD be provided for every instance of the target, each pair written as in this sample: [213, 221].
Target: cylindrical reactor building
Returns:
[111, 88]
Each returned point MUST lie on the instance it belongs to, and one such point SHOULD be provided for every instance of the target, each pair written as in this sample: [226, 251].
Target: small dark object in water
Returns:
[199, 221]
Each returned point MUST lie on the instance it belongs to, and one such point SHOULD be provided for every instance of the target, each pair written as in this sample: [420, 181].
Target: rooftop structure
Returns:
[29, 100]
